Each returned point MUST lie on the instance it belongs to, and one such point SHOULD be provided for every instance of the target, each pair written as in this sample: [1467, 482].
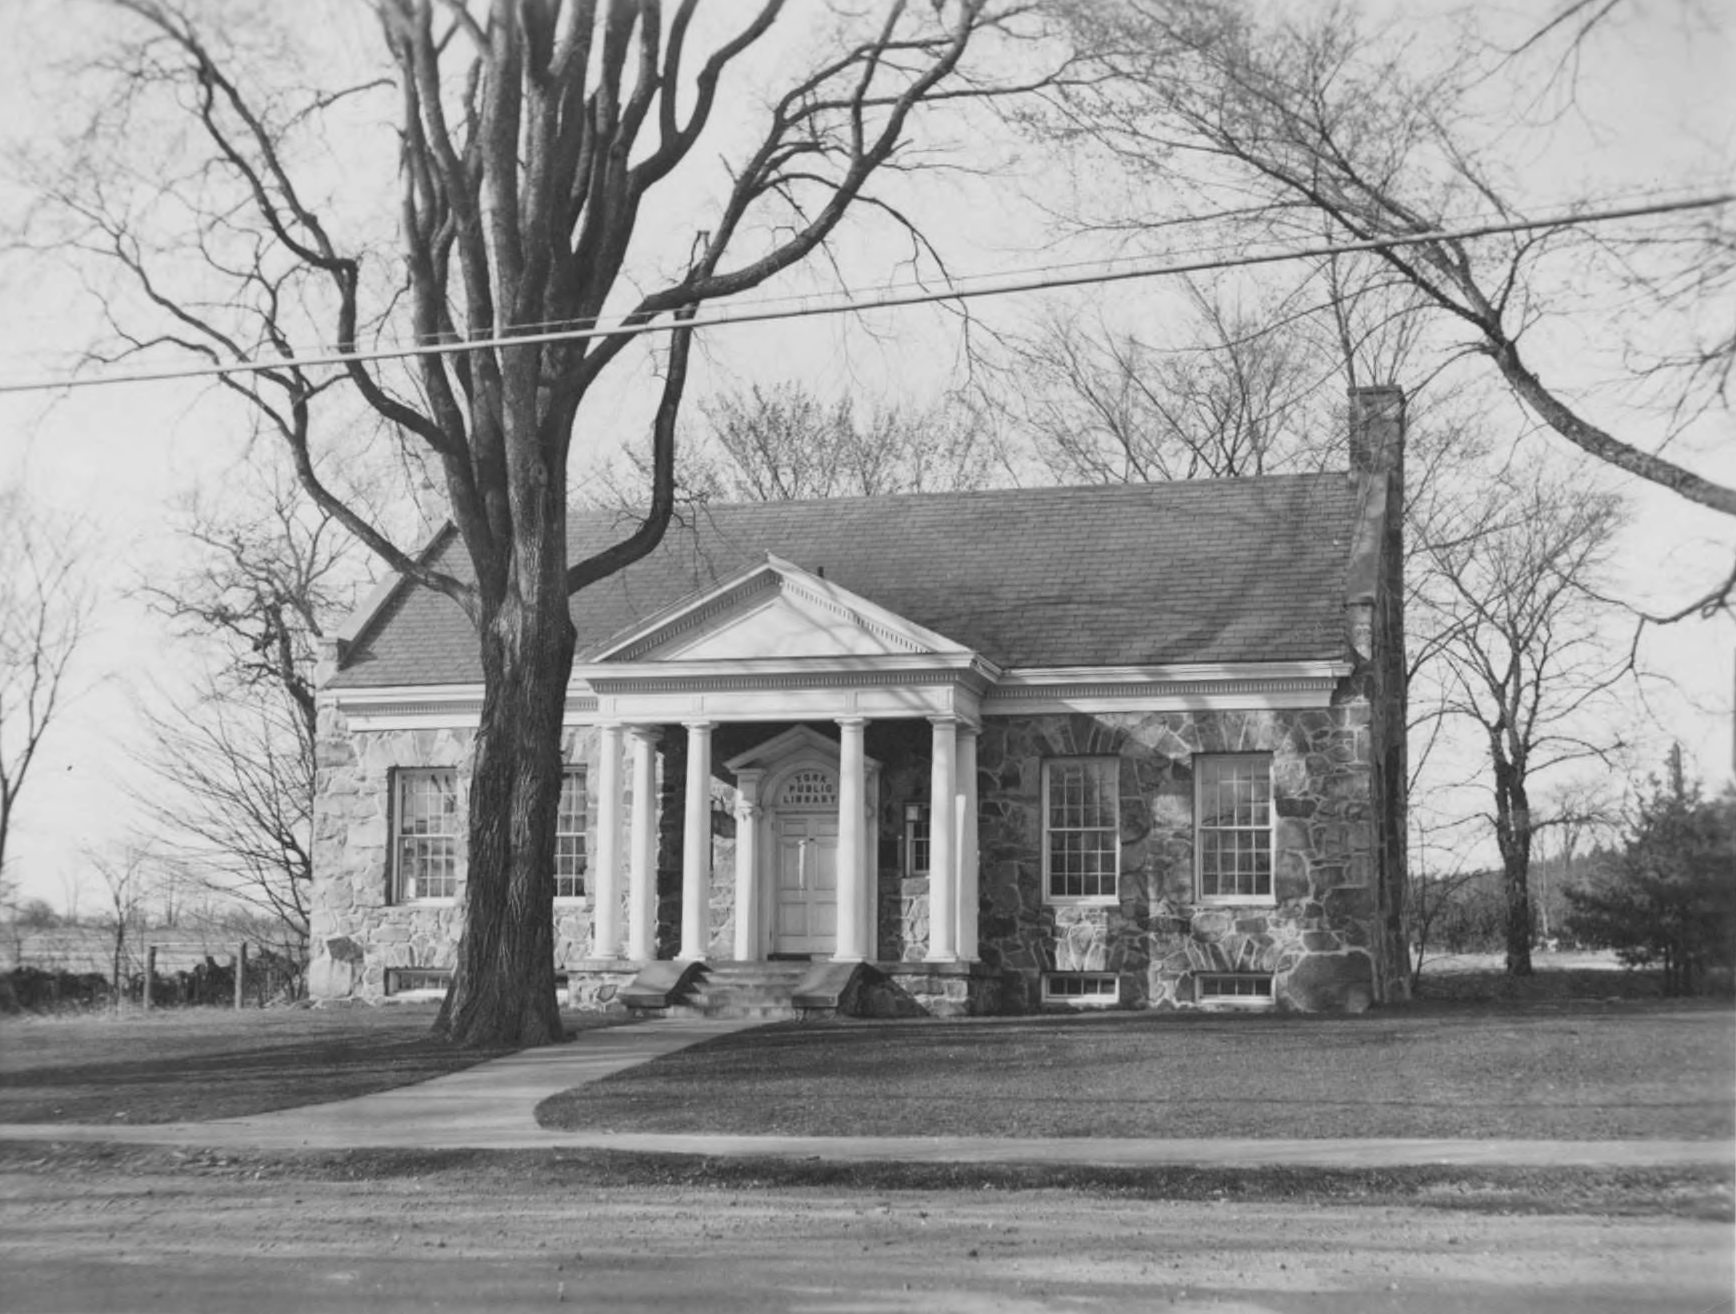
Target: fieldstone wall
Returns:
[1317, 937]
[356, 932]
[903, 749]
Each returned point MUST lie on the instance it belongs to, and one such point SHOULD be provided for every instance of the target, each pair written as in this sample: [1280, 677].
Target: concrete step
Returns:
[742, 990]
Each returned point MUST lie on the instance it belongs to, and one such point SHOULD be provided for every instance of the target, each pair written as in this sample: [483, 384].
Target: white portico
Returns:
[778, 646]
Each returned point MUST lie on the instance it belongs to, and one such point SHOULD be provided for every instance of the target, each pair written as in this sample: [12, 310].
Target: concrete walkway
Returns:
[491, 1107]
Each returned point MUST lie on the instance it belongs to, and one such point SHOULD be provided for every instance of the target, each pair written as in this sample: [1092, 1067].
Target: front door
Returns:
[806, 920]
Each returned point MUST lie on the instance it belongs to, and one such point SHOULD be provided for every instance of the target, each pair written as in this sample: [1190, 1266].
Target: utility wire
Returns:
[1106, 263]
[885, 301]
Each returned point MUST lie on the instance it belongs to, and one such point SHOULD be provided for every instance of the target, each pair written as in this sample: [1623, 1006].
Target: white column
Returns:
[852, 800]
[696, 845]
[606, 909]
[966, 811]
[942, 866]
[642, 853]
[747, 814]
[871, 867]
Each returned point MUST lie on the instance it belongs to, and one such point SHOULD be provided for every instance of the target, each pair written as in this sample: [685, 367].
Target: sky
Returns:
[1655, 109]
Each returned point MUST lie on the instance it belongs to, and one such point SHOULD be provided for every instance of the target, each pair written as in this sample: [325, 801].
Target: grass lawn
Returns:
[1587, 1070]
[193, 1064]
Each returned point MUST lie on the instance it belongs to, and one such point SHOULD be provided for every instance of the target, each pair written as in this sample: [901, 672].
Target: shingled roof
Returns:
[1228, 570]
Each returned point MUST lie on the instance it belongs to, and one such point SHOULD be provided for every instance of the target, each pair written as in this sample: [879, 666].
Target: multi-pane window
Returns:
[916, 839]
[1081, 828]
[570, 837]
[425, 835]
[1233, 823]
[1245, 990]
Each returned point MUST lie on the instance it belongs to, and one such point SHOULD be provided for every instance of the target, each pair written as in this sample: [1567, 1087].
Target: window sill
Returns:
[1083, 901]
[425, 903]
[1250, 901]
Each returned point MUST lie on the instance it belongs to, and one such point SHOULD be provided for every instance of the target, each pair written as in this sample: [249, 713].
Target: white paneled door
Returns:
[807, 902]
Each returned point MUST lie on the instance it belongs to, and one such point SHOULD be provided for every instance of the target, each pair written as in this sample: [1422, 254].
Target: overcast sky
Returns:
[1656, 110]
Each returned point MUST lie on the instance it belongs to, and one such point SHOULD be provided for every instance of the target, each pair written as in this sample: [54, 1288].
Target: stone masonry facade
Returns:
[358, 935]
[1317, 939]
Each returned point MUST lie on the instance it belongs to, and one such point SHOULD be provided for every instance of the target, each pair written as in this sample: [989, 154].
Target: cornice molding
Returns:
[1161, 688]
[730, 682]
[731, 597]
[794, 584]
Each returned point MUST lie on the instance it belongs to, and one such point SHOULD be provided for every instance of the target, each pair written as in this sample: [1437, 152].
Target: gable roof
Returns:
[1231, 570]
[774, 609]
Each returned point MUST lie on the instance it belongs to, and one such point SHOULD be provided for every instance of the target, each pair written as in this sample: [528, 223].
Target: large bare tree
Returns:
[537, 147]
[45, 615]
[1311, 128]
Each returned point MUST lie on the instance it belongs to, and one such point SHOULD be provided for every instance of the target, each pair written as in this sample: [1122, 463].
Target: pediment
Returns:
[776, 610]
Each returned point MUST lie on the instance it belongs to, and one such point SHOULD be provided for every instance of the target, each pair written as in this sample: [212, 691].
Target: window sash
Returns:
[570, 856]
[425, 843]
[916, 839]
[1233, 827]
[1082, 830]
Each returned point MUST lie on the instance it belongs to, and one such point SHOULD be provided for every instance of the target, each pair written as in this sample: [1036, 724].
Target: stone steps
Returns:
[745, 990]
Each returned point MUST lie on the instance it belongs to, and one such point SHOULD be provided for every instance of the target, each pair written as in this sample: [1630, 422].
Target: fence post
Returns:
[240, 971]
[150, 972]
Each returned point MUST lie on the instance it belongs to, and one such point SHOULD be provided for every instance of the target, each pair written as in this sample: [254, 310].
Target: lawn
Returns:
[1580, 1070]
[194, 1064]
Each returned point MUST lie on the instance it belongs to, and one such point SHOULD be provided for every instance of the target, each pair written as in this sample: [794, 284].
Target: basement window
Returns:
[1081, 989]
[417, 982]
[1239, 989]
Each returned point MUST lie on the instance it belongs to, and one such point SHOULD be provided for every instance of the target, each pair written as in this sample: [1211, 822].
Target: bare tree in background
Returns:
[1576, 814]
[129, 874]
[531, 150]
[1522, 655]
[45, 615]
[1231, 391]
[785, 442]
[234, 760]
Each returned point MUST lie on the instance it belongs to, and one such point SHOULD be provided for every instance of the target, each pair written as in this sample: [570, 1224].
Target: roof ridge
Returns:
[1125, 488]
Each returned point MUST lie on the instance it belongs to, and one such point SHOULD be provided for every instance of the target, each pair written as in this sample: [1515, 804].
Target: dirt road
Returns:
[146, 1241]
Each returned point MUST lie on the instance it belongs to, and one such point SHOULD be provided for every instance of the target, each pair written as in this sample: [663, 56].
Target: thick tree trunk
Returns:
[503, 991]
[1513, 837]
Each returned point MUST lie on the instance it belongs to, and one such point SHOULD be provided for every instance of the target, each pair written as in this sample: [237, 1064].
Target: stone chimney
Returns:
[1375, 608]
[1377, 430]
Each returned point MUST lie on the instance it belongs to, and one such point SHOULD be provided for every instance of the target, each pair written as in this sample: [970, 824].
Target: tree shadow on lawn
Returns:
[1587, 1073]
[190, 1069]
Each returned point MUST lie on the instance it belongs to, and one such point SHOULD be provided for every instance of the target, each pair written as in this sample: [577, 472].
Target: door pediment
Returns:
[776, 610]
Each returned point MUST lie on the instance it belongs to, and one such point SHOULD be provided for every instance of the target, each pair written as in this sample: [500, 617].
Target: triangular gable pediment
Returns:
[775, 610]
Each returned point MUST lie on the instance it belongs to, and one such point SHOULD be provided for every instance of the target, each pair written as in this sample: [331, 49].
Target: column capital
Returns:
[701, 724]
[946, 718]
[747, 811]
[649, 733]
[849, 722]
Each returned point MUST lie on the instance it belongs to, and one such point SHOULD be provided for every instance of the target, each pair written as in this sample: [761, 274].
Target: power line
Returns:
[847, 304]
[1468, 219]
